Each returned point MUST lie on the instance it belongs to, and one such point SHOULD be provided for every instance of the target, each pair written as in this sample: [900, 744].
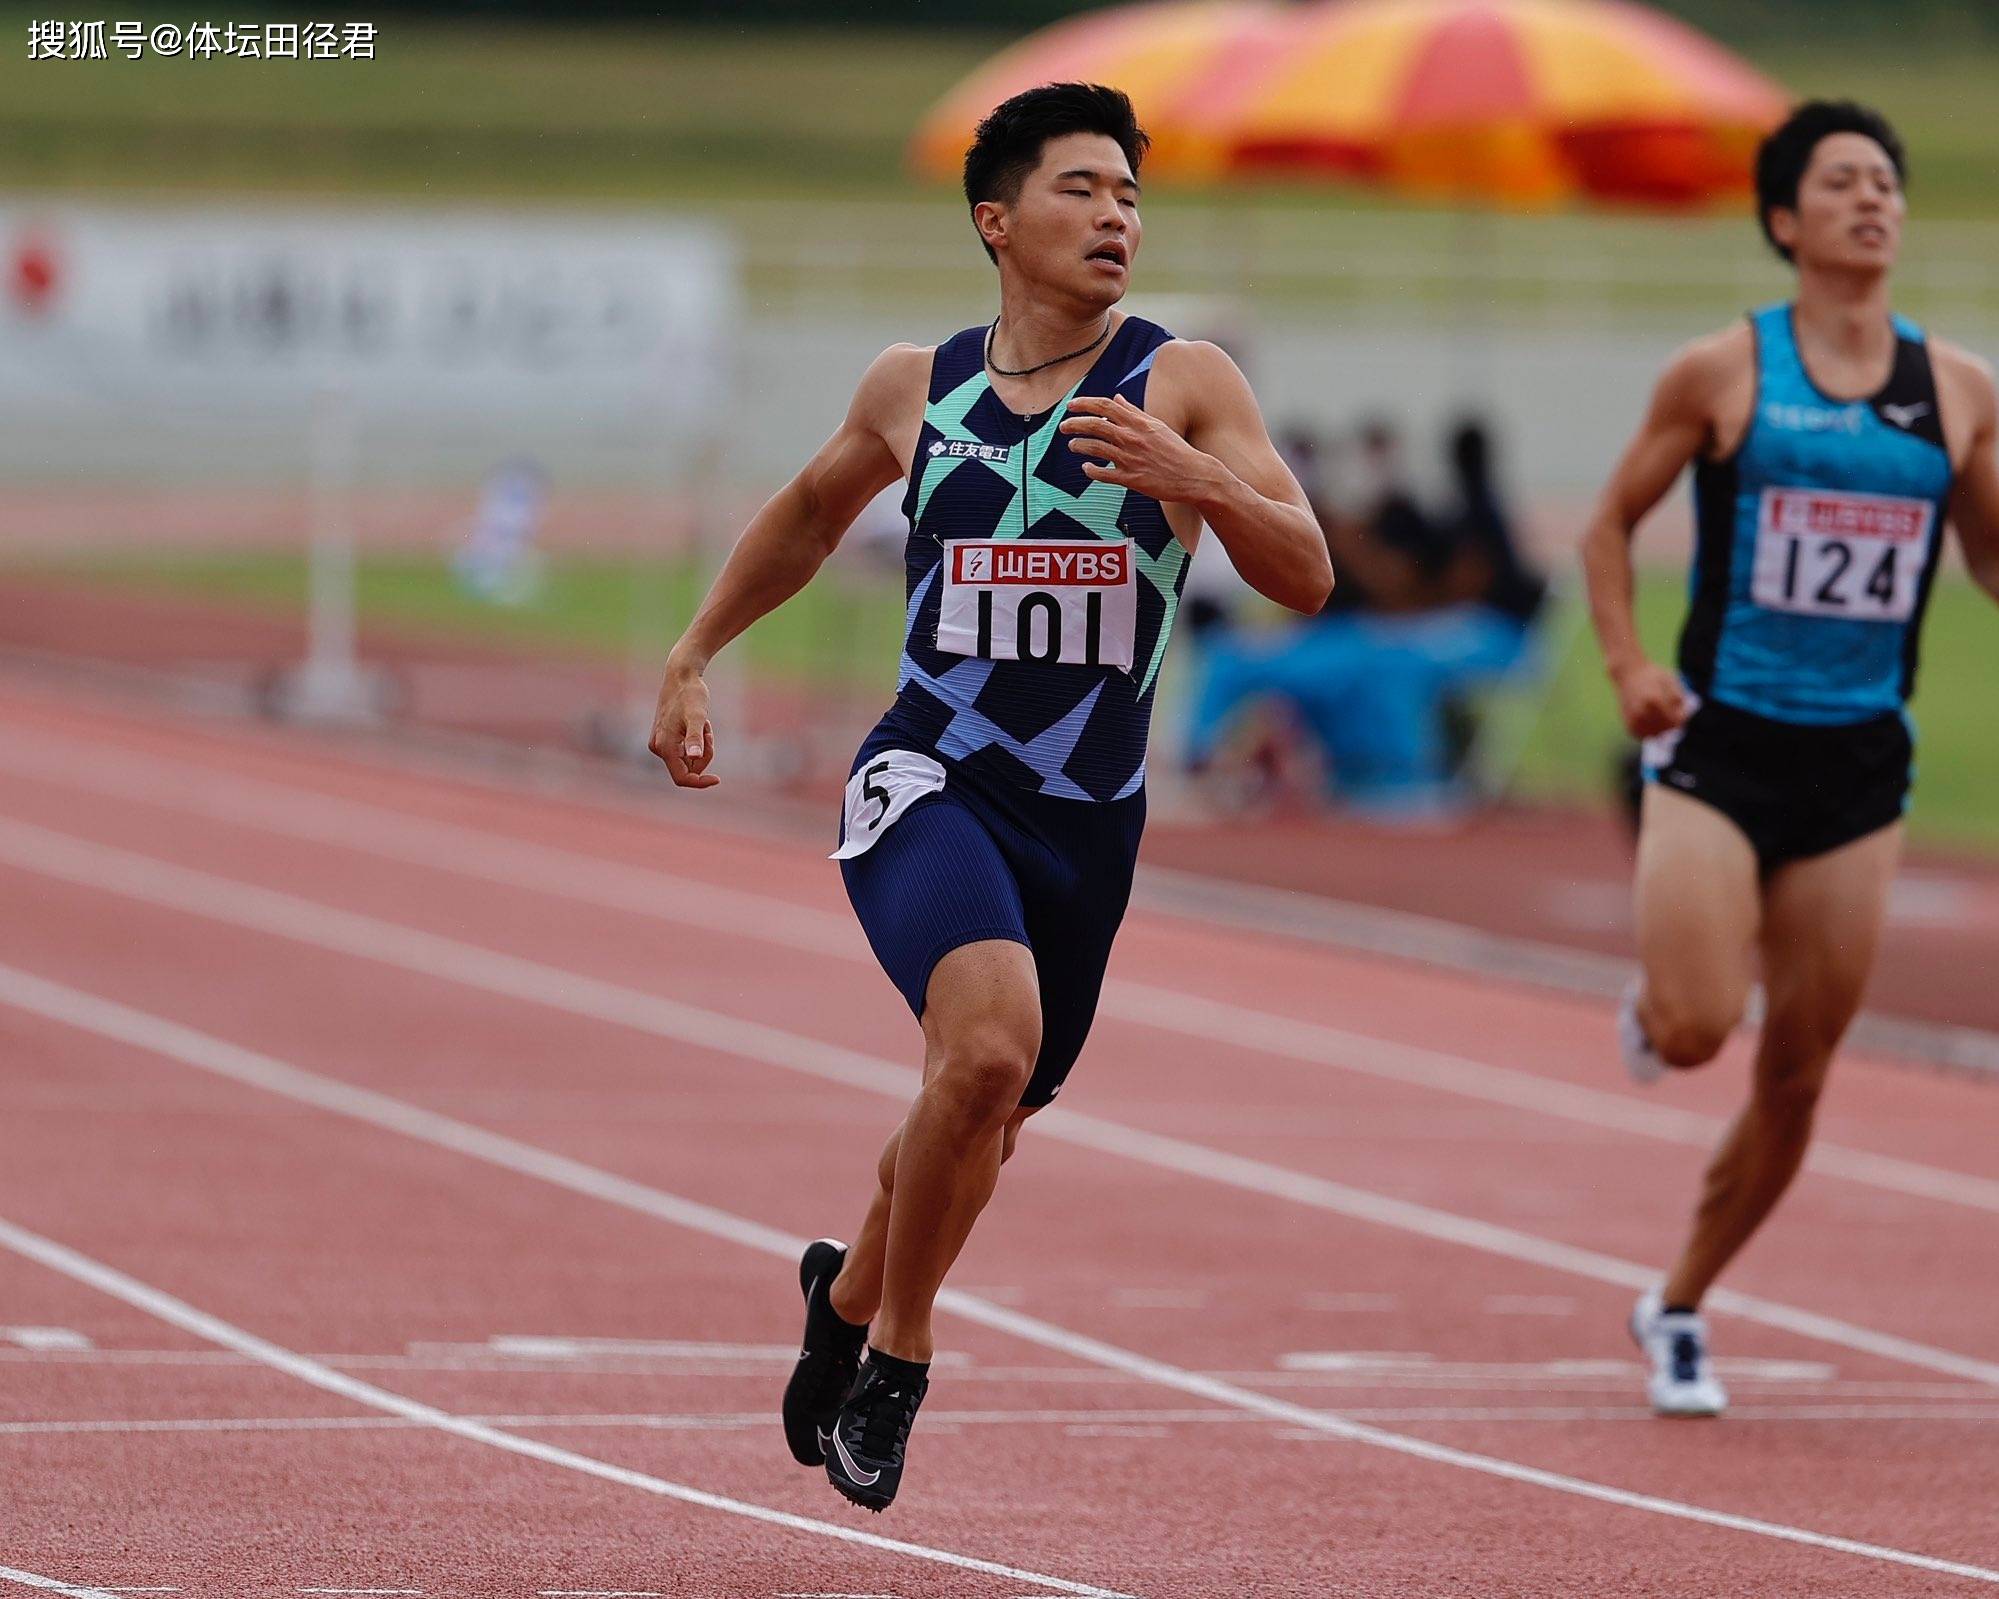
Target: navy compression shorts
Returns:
[954, 859]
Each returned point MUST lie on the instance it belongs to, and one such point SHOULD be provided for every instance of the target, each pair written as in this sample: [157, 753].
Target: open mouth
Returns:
[1113, 254]
[1871, 233]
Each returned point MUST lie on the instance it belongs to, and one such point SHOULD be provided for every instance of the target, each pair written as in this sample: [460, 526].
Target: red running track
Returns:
[397, 1170]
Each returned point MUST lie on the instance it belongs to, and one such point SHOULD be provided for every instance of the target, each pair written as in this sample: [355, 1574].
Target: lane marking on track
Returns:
[28, 1579]
[392, 834]
[1350, 1302]
[1608, 1376]
[756, 1420]
[1529, 1305]
[41, 1338]
[173, 1041]
[165, 1307]
[1161, 1298]
[222, 899]
[537, 1346]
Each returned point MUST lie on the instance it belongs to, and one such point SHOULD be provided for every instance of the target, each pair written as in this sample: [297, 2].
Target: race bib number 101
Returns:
[1040, 600]
[1825, 553]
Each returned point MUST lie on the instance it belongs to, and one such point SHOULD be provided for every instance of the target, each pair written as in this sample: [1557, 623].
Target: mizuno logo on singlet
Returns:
[1906, 416]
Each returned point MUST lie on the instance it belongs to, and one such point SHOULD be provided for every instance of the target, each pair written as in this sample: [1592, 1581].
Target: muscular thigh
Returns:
[983, 999]
[1699, 906]
[1821, 929]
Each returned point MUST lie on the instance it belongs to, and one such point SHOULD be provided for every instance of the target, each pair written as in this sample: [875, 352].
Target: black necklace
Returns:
[1029, 371]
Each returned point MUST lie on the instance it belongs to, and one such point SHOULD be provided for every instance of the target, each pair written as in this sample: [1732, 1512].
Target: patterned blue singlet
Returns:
[1002, 797]
[1072, 727]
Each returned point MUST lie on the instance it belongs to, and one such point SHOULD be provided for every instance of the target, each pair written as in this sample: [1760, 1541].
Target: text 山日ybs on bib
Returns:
[1057, 601]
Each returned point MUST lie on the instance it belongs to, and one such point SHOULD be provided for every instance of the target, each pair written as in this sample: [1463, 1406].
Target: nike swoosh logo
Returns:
[866, 1479]
[1903, 415]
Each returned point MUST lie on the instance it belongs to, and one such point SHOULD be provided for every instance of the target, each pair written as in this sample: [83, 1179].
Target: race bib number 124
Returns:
[1821, 552]
[1049, 600]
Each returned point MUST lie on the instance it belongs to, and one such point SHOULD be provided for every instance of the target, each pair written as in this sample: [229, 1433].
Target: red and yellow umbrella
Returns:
[1176, 59]
[1506, 102]
[1513, 102]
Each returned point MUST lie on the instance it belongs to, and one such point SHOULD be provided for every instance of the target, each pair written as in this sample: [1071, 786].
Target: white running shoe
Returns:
[1641, 1060]
[1682, 1380]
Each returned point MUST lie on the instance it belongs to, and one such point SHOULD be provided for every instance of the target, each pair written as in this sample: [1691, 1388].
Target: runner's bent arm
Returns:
[1974, 500]
[1676, 428]
[785, 543]
[1224, 466]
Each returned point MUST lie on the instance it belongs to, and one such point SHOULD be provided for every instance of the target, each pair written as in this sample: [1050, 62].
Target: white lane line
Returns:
[1160, 1298]
[44, 1338]
[405, 1591]
[205, 894]
[1349, 1302]
[744, 1421]
[175, 1042]
[1742, 1371]
[28, 1579]
[212, 1328]
[392, 834]
[1529, 1305]
[537, 1346]
[165, 1307]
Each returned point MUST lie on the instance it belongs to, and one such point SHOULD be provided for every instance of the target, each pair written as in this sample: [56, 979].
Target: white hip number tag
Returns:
[1824, 552]
[886, 785]
[1048, 600]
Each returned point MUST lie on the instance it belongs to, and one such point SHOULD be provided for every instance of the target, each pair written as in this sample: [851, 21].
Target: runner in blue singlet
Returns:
[1061, 463]
[1830, 441]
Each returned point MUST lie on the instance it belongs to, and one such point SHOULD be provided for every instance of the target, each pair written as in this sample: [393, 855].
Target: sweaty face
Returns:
[1850, 207]
[1075, 229]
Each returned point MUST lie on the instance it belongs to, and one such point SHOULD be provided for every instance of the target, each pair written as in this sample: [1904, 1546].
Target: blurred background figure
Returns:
[1430, 606]
[499, 560]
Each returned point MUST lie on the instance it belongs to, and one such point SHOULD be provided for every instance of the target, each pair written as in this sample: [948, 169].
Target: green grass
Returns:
[444, 109]
[842, 633]
[1576, 735]
[686, 113]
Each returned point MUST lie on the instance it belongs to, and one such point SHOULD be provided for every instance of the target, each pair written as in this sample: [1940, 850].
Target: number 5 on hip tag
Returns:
[885, 786]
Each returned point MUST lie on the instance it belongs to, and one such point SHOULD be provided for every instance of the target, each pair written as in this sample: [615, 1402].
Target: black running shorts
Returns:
[1794, 790]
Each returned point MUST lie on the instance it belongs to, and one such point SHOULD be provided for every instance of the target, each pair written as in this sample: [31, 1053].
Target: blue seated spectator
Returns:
[1425, 611]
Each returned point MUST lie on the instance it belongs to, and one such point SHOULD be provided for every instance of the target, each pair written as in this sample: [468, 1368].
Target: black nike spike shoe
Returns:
[865, 1448]
[829, 1356]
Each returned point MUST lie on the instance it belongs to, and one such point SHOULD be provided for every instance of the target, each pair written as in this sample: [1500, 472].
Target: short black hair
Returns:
[1008, 144]
[1782, 158]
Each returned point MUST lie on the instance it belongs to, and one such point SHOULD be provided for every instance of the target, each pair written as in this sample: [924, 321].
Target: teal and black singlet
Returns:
[1002, 796]
[1817, 545]
[1074, 727]
[1817, 541]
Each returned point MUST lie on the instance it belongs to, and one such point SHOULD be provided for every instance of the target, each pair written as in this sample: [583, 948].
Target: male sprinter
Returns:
[1061, 463]
[1830, 440]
